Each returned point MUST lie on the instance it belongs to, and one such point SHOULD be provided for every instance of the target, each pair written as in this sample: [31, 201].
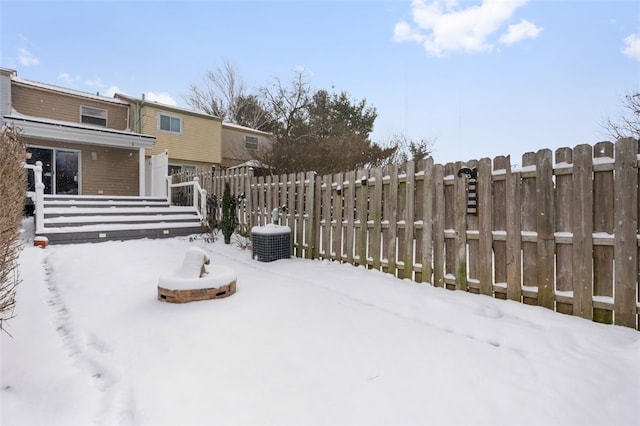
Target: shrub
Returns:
[12, 194]
[229, 217]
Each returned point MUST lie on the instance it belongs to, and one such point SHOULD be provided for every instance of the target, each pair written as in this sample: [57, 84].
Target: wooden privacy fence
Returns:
[561, 234]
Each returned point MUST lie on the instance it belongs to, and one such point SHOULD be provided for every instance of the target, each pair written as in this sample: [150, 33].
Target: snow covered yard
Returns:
[300, 342]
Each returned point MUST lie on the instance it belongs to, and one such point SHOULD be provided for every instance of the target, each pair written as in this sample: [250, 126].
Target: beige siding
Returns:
[44, 103]
[199, 141]
[234, 151]
[114, 172]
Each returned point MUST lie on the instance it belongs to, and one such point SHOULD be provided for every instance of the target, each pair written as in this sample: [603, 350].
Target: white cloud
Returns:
[519, 32]
[632, 46]
[26, 58]
[68, 79]
[162, 98]
[443, 26]
[94, 84]
[112, 90]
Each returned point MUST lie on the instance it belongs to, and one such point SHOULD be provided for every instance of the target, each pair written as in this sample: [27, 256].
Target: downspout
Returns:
[143, 164]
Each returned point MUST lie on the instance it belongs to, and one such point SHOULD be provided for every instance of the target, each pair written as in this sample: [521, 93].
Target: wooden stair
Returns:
[79, 218]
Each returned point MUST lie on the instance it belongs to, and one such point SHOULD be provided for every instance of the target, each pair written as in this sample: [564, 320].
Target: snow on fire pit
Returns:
[195, 280]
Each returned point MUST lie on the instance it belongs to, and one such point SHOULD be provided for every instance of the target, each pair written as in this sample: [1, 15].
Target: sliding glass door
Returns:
[60, 170]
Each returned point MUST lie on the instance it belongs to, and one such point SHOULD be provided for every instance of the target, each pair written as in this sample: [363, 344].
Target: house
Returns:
[87, 168]
[242, 144]
[192, 140]
[84, 141]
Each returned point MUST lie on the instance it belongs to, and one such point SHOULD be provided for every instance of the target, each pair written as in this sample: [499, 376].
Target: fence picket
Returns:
[485, 219]
[564, 202]
[460, 229]
[545, 228]
[438, 226]
[392, 203]
[529, 235]
[603, 196]
[408, 217]
[543, 233]
[376, 215]
[514, 210]
[626, 240]
[582, 211]
[499, 226]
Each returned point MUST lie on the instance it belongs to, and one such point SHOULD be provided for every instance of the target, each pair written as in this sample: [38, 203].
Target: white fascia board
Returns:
[70, 133]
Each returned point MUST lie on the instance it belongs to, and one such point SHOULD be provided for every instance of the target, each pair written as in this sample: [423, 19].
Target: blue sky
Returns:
[480, 78]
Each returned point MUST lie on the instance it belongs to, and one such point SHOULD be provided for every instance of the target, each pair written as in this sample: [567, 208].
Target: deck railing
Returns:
[37, 196]
[194, 193]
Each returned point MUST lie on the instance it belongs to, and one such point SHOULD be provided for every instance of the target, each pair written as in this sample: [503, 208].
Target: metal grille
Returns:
[267, 247]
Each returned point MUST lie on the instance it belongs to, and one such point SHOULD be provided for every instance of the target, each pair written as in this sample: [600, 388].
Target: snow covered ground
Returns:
[300, 342]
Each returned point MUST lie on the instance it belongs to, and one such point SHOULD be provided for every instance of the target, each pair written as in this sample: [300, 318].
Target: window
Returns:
[90, 115]
[169, 123]
[251, 142]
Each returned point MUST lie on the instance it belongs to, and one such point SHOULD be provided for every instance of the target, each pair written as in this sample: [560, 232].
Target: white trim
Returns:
[105, 118]
[170, 116]
[54, 166]
[34, 127]
[67, 91]
[141, 173]
[233, 126]
[250, 145]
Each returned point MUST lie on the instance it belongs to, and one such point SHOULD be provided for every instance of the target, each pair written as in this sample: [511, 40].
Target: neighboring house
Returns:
[84, 141]
[242, 144]
[191, 139]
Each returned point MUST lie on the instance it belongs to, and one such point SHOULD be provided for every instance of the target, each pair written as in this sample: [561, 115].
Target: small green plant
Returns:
[229, 220]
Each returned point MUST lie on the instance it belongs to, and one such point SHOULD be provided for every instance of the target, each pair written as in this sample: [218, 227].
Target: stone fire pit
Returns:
[195, 280]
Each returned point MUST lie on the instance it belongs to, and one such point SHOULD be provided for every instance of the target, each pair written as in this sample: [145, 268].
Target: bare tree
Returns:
[628, 124]
[409, 149]
[12, 192]
[223, 94]
[287, 104]
[218, 93]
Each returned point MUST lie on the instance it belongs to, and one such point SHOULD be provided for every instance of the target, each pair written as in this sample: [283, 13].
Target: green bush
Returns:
[229, 217]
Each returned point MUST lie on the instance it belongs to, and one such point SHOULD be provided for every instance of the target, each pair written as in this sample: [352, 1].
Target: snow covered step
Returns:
[108, 232]
[148, 210]
[104, 203]
[124, 219]
[104, 227]
[73, 218]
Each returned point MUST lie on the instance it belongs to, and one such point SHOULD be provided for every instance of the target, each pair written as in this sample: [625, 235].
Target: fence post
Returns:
[196, 191]
[626, 242]
[39, 201]
[169, 180]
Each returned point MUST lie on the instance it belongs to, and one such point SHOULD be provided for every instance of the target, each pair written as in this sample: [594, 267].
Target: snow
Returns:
[300, 342]
[270, 228]
[194, 274]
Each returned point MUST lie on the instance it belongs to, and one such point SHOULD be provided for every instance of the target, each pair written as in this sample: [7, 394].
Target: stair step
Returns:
[95, 219]
[66, 237]
[105, 204]
[78, 198]
[104, 227]
[75, 211]
[73, 218]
